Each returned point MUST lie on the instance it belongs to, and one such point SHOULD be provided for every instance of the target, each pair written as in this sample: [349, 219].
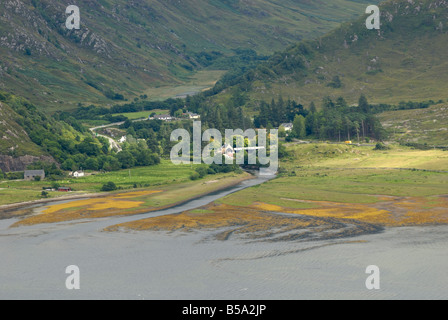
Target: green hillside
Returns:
[422, 126]
[126, 47]
[29, 135]
[404, 60]
[14, 139]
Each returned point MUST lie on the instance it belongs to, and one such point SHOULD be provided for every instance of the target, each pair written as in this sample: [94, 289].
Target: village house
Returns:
[78, 174]
[287, 126]
[32, 174]
[192, 115]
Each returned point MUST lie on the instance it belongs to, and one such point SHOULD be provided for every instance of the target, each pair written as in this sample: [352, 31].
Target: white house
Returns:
[192, 115]
[122, 139]
[78, 174]
[287, 126]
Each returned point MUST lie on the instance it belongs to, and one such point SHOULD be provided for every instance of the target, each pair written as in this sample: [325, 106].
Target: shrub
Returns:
[381, 146]
[195, 176]
[202, 171]
[110, 186]
[14, 175]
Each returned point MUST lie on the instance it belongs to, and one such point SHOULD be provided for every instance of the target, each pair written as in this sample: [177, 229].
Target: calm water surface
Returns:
[413, 263]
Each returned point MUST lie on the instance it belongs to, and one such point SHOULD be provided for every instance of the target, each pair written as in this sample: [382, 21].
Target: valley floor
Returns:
[333, 190]
[309, 233]
[325, 191]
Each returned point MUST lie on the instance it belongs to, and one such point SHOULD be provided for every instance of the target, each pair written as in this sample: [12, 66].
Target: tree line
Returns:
[335, 120]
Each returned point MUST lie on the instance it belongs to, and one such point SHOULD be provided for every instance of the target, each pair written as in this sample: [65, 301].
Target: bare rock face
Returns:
[8, 163]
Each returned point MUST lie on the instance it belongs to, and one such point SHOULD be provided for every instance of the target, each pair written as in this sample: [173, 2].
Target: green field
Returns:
[140, 114]
[340, 156]
[349, 174]
[164, 174]
[198, 82]
[16, 195]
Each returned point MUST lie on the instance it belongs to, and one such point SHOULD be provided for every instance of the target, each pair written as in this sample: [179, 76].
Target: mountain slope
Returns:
[14, 139]
[29, 135]
[17, 150]
[404, 60]
[125, 47]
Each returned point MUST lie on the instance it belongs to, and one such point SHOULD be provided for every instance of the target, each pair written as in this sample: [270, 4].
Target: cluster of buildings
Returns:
[167, 117]
[30, 175]
[40, 174]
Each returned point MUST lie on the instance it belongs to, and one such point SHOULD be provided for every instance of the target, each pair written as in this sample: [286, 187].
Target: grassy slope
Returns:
[128, 47]
[401, 62]
[14, 140]
[428, 126]
[202, 80]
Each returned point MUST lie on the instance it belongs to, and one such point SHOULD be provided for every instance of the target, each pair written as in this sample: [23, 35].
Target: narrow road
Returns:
[113, 143]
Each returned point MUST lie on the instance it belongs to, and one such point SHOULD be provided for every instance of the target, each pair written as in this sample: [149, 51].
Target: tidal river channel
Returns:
[413, 262]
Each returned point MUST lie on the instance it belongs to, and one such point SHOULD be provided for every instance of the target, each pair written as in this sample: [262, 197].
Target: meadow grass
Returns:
[349, 174]
[141, 114]
[165, 173]
[8, 196]
[198, 82]
[429, 125]
[351, 156]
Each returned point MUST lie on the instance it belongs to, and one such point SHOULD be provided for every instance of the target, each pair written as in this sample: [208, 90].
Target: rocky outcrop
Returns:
[9, 163]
